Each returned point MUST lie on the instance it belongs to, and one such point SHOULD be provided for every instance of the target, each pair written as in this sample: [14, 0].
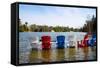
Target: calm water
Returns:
[32, 53]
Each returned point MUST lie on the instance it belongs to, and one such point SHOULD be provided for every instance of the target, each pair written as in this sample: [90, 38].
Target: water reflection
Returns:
[86, 52]
[36, 55]
[46, 55]
[60, 54]
[71, 54]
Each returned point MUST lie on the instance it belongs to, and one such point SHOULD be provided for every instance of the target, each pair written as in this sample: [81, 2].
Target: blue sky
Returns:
[55, 16]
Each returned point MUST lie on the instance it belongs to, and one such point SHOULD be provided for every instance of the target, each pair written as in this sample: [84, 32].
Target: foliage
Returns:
[89, 26]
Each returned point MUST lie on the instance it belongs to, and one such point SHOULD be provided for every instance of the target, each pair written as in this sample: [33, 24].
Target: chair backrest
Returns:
[46, 39]
[60, 38]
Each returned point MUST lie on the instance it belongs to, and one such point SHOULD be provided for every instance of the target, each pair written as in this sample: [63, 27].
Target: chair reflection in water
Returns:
[60, 54]
[46, 55]
[86, 53]
[71, 54]
[35, 56]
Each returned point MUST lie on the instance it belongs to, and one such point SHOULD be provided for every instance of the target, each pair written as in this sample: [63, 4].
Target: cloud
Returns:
[53, 16]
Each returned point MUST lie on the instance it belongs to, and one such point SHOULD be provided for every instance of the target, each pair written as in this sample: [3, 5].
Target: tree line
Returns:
[44, 28]
[89, 26]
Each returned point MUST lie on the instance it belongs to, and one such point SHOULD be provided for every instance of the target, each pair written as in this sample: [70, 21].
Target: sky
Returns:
[55, 16]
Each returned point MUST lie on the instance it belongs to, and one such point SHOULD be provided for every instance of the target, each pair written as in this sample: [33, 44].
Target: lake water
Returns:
[30, 54]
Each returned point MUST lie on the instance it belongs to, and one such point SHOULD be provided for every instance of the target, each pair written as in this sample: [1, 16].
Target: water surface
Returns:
[29, 54]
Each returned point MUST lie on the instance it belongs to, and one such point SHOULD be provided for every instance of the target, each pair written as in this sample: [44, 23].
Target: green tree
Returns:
[33, 27]
[90, 26]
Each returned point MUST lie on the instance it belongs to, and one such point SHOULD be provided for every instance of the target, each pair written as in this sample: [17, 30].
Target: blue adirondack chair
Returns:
[60, 41]
[92, 41]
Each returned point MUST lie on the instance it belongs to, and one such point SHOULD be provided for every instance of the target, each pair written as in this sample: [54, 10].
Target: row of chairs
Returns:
[46, 42]
[89, 40]
[60, 42]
